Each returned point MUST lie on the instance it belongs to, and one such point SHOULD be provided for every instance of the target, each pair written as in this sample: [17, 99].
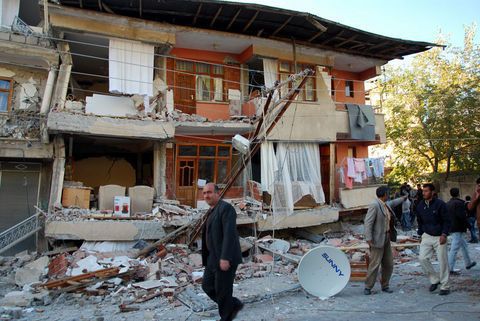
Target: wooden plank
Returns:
[251, 21]
[64, 282]
[216, 16]
[196, 14]
[282, 26]
[234, 18]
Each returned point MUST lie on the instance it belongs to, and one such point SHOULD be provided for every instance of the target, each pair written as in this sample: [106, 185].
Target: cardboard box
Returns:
[78, 197]
[121, 206]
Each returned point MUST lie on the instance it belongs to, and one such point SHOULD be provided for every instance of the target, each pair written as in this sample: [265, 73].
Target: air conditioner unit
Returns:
[241, 144]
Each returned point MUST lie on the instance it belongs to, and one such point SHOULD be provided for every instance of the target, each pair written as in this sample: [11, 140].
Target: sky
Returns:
[406, 19]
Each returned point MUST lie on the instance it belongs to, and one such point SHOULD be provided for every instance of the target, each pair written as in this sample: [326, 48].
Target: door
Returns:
[187, 181]
[19, 188]
[184, 93]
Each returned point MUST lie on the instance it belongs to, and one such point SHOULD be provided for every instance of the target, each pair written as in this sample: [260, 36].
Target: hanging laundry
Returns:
[350, 167]
[348, 180]
[368, 167]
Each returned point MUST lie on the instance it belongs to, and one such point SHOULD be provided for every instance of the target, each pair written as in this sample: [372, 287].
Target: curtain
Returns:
[203, 88]
[270, 72]
[8, 11]
[298, 175]
[268, 166]
[130, 66]
[218, 84]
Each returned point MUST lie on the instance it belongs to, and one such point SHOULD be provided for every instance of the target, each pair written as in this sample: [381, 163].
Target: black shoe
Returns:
[236, 309]
[367, 291]
[471, 265]
[433, 287]
[454, 273]
[444, 292]
[387, 290]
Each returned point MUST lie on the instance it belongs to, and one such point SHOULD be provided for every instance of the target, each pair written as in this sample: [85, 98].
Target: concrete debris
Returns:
[32, 272]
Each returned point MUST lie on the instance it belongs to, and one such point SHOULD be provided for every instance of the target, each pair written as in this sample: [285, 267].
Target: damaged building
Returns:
[114, 115]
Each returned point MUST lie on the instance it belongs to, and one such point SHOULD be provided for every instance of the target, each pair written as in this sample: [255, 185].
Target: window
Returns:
[6, 91]
[213, 162]
[285, 69]
[348, 88]
[352, 152]
[333, 87]
[209, 79]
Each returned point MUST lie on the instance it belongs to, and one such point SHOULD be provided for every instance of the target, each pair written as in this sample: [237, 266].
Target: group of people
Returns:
[436, 220]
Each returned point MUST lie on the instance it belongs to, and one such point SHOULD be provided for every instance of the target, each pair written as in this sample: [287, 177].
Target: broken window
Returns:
[6, 90]
[307, 93]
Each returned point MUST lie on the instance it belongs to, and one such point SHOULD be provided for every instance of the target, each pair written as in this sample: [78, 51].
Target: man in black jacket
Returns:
[458, 216]
[220, 253]
[433, 226]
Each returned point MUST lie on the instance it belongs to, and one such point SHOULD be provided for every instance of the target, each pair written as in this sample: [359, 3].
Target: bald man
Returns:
[220, 253]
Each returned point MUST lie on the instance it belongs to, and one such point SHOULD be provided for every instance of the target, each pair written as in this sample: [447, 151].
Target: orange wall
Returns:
[342, 151]
[339, 77]
[202, 55]
[214, 111]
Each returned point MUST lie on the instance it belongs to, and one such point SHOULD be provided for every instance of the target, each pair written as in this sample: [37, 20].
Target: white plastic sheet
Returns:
[130, 66]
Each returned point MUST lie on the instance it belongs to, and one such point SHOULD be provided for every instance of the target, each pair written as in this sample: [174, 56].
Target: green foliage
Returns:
[432, 111]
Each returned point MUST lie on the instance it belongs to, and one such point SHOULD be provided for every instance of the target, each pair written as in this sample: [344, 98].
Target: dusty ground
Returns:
[410, 301]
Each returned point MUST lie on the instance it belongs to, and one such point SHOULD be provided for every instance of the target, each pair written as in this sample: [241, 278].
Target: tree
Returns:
[432, 111]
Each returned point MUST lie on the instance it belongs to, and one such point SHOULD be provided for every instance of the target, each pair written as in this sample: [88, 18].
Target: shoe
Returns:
[433, 287]
[367, 291]
[444, 292]
[454, 273]
[471, 265]
[473, 241]
[387, 290]
[236, 309]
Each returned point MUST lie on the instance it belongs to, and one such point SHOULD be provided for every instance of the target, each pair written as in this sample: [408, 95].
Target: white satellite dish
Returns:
[324, 271]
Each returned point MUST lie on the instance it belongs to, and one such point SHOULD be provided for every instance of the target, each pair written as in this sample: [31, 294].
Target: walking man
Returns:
[472, 221]
[433, 227]
[458, 217]
[220, 253]
[474, 205]
[379, 231]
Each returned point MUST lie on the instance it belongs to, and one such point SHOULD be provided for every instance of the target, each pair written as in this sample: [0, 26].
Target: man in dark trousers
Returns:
[379, 231]
[433, 227]
[474, 205]
[220, 253]
[458, 216]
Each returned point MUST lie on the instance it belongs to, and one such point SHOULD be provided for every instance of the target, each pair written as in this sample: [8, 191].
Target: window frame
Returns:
[350, 85]
[10, 93]
[210, 74]
[302, 94]
[215, 158]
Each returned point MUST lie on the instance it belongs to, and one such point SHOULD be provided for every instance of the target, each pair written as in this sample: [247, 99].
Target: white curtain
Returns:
[270, 74]
[268, 166]
[130, 66]
[218, 84]
[298, 175]
[8, 11]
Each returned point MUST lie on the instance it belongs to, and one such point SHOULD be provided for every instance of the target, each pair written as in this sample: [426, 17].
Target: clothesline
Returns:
[359, 169]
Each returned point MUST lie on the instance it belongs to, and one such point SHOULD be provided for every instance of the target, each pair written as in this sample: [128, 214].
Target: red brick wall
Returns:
[170, 173]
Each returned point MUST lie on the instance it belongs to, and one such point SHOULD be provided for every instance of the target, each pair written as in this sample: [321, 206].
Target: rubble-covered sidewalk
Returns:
[106, 281]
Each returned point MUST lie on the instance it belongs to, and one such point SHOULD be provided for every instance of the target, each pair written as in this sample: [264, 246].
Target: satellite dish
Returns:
[324, 271]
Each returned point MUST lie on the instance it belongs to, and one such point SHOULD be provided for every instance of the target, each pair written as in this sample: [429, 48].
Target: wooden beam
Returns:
[315, 36]
[315, 23]
[345, 41]
[140, 7]
[282, 26]
[100, 5]
[81, 3]
[196, 14]
[234, 18]
[331, 38]
[216, 16]
[259, 33]
[251, 21]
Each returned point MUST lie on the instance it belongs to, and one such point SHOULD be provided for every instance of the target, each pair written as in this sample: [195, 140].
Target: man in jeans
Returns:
[458, 217]
[433, 226]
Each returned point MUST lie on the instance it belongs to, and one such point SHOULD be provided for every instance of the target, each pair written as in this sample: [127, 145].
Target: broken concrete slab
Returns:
[141, 198]
[17, 299]
[195, 260]
[88, 264]
[32, 272]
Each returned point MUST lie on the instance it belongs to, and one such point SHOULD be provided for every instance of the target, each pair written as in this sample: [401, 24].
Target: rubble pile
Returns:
[21, 124]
